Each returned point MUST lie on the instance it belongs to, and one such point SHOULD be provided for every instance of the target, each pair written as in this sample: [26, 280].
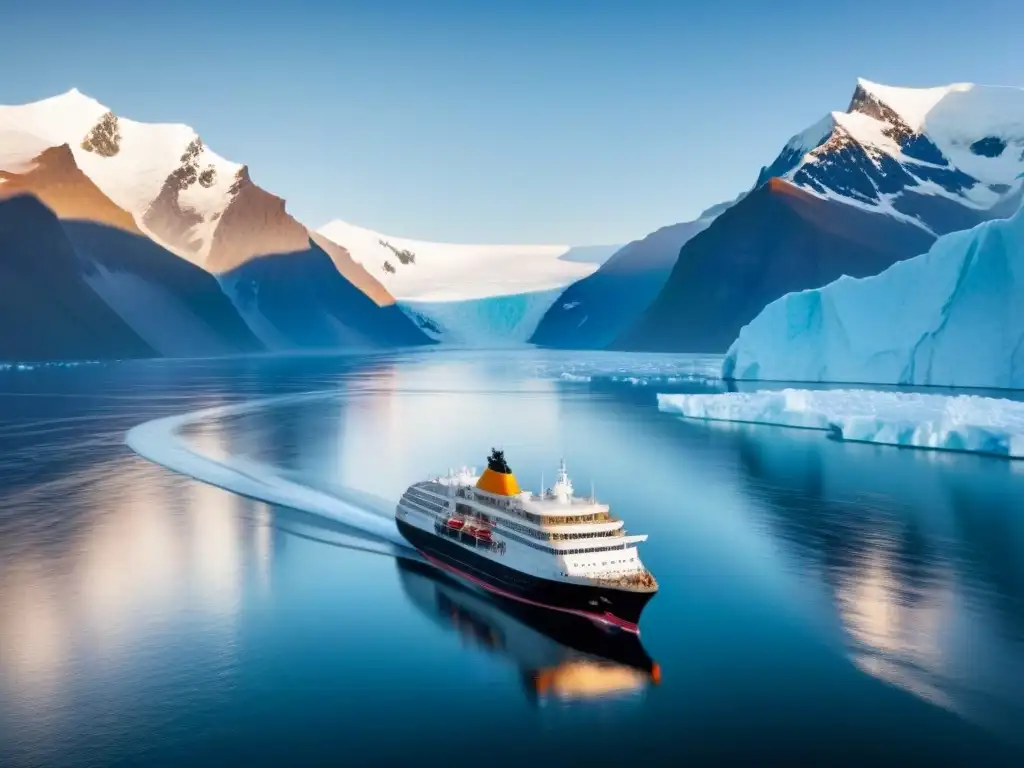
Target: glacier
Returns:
[969, 423]
[953, 316]
[425, 271]
[507, 320]
[464, 294]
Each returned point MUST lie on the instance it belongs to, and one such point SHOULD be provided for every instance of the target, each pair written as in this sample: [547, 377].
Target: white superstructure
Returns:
[552, 535]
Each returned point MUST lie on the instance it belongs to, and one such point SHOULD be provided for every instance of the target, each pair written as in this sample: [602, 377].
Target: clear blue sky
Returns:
[530, 121]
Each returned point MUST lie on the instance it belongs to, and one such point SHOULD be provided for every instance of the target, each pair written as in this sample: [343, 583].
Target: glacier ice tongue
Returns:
[424, 271]
[508, 320]
[953, 316]
[938, 422]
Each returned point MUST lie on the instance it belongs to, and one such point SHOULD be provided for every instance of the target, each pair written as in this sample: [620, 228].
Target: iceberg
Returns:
[938, 422]
[953, 316]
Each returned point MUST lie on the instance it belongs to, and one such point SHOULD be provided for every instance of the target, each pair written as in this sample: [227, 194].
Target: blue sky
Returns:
[551, 121]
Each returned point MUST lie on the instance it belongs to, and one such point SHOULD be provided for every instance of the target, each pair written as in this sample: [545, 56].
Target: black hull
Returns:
[574, 633]
[614, 607]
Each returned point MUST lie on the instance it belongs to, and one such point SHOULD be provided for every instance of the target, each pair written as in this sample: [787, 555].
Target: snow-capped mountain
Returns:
[159, 185]
[851, 195]
[76, 289]
[468, 294]
[916, 153]
[175, 188]
[953, 316]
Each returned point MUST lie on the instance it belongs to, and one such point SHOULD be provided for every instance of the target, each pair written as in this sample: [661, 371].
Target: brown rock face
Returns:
[166, 217]
[104, 138]
[854, 227]
[353, 271]
[256, 224]
[57, 181]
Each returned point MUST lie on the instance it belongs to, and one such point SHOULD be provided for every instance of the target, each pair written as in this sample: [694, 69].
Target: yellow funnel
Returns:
[498, 483]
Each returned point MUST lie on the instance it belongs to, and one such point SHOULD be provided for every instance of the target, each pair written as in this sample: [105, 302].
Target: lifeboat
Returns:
[455, 523]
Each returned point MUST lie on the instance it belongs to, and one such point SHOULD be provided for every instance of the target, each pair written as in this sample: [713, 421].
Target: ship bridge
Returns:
[554, 506]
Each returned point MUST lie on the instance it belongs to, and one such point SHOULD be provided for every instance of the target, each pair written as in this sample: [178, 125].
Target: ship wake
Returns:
[162, 441]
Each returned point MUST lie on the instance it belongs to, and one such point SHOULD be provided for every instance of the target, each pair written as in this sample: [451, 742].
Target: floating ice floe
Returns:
[634, 369]
[47, 364]
[938, 422]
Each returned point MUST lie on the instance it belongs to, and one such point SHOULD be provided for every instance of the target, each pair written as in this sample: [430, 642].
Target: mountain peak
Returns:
[56, 180]
[912, 105]
[73, 98]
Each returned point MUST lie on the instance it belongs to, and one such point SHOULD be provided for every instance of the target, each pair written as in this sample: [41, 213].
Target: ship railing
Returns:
[559, 520]
[642, 578]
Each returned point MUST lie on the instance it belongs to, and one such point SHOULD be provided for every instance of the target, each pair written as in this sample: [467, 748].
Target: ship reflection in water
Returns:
[561, 658]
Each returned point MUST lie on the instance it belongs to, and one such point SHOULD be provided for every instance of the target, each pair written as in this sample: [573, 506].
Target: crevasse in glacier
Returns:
[953, 316]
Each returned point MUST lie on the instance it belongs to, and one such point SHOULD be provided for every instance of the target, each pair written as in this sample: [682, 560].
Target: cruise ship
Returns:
[553, 549]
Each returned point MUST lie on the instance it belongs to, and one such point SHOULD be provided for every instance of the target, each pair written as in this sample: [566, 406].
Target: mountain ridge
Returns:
[158, 182]
[899, 166]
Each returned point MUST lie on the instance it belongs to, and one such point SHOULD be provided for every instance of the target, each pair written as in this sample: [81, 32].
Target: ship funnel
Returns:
[497, 478]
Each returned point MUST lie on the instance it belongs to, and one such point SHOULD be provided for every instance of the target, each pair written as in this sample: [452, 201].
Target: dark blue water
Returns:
[819, 600]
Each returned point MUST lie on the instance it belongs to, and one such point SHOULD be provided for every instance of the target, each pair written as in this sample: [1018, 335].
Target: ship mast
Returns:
[563, 487]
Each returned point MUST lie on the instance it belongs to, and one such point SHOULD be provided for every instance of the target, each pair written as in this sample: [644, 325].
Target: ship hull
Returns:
[619, 608]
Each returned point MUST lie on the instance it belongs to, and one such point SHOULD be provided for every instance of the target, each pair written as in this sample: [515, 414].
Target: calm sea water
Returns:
[819, 600]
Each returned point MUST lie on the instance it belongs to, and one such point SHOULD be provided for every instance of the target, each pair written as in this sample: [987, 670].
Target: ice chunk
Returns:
[637, 369]
[953, 316]
[15, 366]
[939, 422]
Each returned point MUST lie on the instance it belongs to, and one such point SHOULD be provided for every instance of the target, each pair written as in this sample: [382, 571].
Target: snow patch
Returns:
[812, 136]
[937, 422]
[911, 104]
[18, 150]
[421, 271]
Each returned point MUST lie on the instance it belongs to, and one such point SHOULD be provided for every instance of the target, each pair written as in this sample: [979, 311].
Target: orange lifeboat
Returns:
[483, 534]
[455, 523]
